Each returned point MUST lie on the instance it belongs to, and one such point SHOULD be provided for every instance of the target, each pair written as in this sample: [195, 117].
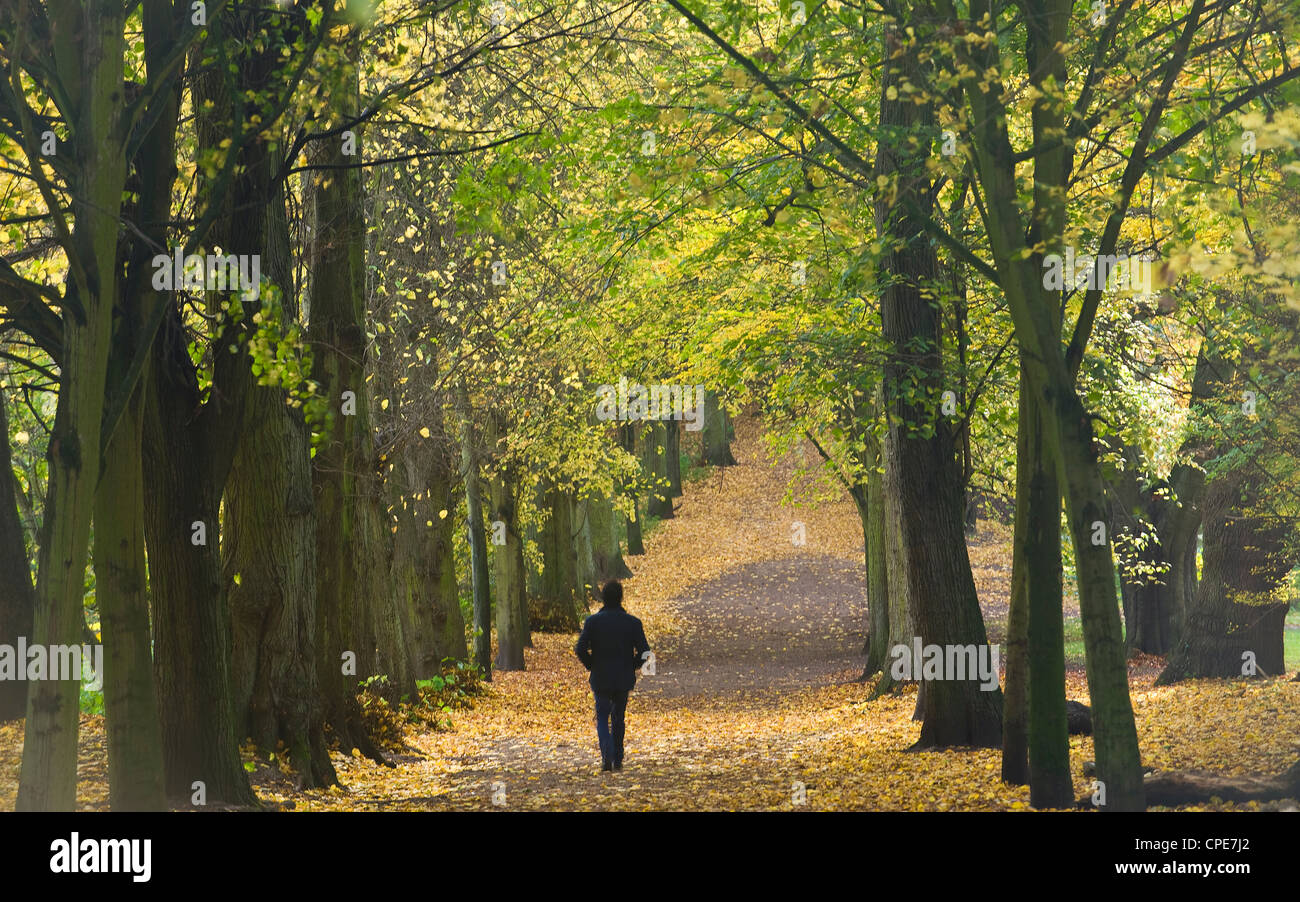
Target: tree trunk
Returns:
[508, 564]
[941, 587]
[587, 582]
[18, 600]
[673, 457]
[132, 721]
[1015, 700]
[269, 557]
[191, 619]
[420, 487]
[899, 609]
[635, 543]
[558, 601]
[654, 463]
[872, 514]
[477, 539]
[269, 553]
[135, 762]
[344, 466]
[607, 553]
[1052, 376]
[717, 440]
[1050, 785]
[1235, 627]
[88, 60]
[1036, 744]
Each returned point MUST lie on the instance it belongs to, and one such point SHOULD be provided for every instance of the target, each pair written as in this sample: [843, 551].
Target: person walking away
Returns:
[612, 646]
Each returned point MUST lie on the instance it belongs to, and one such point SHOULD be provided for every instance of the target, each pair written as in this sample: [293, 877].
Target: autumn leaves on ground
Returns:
[754, 703]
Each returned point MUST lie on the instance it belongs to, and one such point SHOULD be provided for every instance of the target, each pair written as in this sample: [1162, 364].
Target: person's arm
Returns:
[639, 645]
[583, 648]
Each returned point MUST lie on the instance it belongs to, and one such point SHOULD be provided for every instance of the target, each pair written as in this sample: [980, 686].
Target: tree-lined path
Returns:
[758, 646]
[346, 348]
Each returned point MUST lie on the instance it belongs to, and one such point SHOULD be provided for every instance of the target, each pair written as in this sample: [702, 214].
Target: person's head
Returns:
[612, 594]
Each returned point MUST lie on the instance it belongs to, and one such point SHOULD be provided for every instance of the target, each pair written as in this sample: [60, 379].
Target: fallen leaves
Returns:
[780, 729]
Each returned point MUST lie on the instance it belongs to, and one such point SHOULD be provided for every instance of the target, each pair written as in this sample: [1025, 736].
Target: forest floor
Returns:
[755, 703]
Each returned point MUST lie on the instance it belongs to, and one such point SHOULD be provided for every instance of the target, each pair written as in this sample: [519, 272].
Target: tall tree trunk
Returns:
[607, 553]
[187, 466]
[477, 539]
[420, 487]
[1052, 375]
[270, 567]
[872, 514]
[673, 457]
[269, 554]
[558, 600]
[344, 467]
[1015, 700]
[88, 61]
[1036, 747]
[135, 762]
[717, 438]
[635, 543]
[902, 626]
[133, 725]
[508, 564]
[1237, 619]
[1049, 739]
[655, 465]
[941, 587]
[19, 598]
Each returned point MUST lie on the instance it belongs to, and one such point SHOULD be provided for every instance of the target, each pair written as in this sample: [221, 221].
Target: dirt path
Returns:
[754, 703]
[756, 624]
[776, 625]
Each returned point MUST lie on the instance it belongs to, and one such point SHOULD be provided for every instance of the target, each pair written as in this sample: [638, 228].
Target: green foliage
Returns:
[92, 701]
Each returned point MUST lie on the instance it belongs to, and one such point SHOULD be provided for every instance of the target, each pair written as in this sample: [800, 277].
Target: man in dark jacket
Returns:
[611, 646]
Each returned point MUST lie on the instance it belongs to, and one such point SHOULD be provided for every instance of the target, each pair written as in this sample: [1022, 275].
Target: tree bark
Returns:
[188, 463]
[508, 564]
[135, 762]
[477, 539]
[654, 463]
[88, 61]
[344, 473]
[18, 601]
[717, 438]
[587, 582]
[941, 587]
[558, 601]
[1052, 376]
[635, 543]
[1235, 627]
[1036, 746]
[872, 514]
[673, 457]
[1049, 741]
[607, 553]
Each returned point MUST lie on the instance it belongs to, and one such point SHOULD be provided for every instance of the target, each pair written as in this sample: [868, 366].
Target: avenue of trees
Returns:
[357, 435]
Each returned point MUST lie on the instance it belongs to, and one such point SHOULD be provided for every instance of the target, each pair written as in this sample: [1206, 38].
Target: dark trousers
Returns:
[609, 712]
